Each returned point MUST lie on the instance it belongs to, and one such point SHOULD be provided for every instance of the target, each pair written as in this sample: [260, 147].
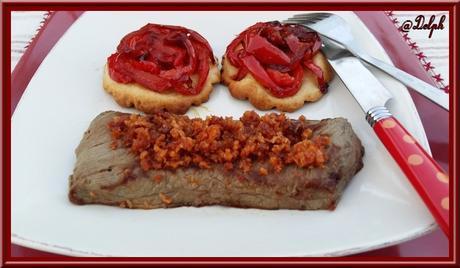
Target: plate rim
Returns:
[68, 251]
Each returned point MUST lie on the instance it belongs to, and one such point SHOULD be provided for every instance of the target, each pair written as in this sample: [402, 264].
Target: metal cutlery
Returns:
[427, 177]
[332, 26]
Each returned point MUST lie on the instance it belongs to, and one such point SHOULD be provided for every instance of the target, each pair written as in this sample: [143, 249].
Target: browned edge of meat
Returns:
[113, 177]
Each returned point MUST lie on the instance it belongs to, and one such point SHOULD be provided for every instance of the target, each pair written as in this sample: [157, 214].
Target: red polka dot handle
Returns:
[430, 181]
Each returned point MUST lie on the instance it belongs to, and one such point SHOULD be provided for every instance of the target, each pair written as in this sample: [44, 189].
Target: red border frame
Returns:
[8, 107]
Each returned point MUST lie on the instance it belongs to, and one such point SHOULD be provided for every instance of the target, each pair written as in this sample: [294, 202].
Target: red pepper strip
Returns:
[315, 70]
[180, 71]
[203, 68]
[232, 54]
[242, 72]
[316, 47]
[258, 71]
[196, 36]
[147, 66]
[180, 59]
[281, 79]
[146, 79]
[181, 39]
[265, 52]
[273, 35]
[310, 65]
[293, 43]
[126, 68]
[190, 33]
[298, 78]
[115, 71]
[262, 76]
[298, 49]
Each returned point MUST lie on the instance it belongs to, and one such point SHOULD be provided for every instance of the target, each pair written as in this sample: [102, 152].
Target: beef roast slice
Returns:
[113, 177]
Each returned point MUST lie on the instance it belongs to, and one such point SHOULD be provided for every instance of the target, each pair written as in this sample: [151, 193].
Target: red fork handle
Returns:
[427, 177]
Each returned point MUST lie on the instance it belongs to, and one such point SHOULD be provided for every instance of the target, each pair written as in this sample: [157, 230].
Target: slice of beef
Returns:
[113, 177]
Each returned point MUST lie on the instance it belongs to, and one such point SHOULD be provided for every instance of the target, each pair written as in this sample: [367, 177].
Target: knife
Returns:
[334, 27]
[426, 176]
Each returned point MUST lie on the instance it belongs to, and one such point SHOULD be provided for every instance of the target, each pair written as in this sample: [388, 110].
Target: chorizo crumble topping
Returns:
[168, 141]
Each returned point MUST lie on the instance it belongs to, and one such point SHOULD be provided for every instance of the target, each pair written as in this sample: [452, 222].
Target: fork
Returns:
[334, 27]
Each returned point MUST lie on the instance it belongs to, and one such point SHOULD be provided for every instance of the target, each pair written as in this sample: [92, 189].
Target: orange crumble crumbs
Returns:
[168, 141]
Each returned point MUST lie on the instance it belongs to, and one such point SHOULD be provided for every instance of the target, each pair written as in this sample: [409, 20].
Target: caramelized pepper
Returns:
[276, 56]
[162, 57]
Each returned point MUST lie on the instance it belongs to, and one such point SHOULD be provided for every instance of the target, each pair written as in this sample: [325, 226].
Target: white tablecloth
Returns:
[24, 26]
[432, 52]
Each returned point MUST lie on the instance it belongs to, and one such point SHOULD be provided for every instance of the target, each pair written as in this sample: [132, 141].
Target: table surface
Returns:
[434, 50]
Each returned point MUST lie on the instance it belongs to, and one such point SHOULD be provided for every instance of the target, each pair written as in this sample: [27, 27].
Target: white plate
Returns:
[379, 207]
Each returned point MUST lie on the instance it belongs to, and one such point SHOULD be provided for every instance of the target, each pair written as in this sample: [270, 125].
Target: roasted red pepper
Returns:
[276, 55]
[161, 58]
[265, 52]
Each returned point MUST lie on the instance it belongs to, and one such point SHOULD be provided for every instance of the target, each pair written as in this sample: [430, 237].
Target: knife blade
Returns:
[426, 176]
[365, 87]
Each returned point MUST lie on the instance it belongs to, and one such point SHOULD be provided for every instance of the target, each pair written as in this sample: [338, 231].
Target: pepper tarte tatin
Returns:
[276, 65]
[161, 67]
